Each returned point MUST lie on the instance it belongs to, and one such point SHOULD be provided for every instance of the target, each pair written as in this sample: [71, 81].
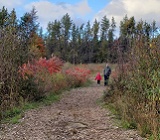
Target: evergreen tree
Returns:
[73, 54]
[111, 31]
[54, 39]
[29, 23]
[29, 27]
[87, 40]
[104, 49]
[105, 24]
[111, 51]
[95, 41]
[127, 33]
[81, 44]
[3, 17]
[66, 27]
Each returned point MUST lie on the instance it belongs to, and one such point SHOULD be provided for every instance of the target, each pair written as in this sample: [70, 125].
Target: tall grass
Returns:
[136, 88]
[11, 56]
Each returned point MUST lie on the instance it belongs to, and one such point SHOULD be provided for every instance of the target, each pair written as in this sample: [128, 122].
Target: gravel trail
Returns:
[77, 116]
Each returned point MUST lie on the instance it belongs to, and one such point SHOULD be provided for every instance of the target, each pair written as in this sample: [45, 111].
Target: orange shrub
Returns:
[52, 65]
[38, 77]
[79, 75]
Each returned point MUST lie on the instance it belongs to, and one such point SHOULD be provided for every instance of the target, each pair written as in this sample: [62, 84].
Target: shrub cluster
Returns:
[78, 75]
[42, 77]
[48, 75]
[136, 88]
[35, 76]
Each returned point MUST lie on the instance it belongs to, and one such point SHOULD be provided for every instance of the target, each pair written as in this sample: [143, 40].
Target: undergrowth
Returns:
[135, 89]
[14, 115]
[49, 88]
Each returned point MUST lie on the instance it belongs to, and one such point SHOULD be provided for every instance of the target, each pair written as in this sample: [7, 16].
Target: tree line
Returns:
[86, 43]
[81, 44]
[95, 43]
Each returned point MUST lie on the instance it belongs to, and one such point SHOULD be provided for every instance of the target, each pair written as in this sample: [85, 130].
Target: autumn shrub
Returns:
[59, 82]
[44, 76]
[38, 75]
[77, 76]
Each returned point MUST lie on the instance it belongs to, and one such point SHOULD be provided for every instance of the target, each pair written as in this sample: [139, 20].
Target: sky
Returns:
[82, 11]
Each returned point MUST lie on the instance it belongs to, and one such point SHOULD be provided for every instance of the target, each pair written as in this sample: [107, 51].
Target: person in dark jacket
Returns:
[107, 72]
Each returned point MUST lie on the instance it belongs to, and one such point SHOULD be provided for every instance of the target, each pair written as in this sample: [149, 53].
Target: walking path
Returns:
[77, 116]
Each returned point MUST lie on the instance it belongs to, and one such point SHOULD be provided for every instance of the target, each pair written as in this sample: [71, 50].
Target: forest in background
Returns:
[30, 60]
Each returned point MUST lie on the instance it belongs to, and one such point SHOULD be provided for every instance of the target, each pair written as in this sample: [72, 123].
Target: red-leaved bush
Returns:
[47, 76]
[79, 75]
[38, 75]
[52, 65]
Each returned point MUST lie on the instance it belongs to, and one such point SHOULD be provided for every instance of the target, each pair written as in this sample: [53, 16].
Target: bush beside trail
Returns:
[40, 78]
[136, 89]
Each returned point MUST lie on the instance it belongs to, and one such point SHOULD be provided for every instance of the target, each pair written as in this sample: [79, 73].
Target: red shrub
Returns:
[79, 74]
[52, 65]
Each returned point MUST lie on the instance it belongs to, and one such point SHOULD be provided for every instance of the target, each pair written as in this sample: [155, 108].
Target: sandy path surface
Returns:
[77, 116]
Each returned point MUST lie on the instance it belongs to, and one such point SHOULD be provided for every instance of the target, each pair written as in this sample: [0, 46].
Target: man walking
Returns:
[107, 72]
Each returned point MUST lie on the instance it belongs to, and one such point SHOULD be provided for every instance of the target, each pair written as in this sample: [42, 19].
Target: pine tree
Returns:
[54, 39]
[105, 24]
[95, 41]
[66, 27]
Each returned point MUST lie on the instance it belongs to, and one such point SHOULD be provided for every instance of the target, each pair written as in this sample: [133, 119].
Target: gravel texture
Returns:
[77, 116]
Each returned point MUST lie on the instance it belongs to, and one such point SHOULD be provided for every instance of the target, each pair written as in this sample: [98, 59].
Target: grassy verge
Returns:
[13, 116]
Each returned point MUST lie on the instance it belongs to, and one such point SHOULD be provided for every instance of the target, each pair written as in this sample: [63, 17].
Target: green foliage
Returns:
[13, 112]
[81, 44]
[129, 125]
[15, 119]
[14, 49]
[136, 89]
[29, 89]
[58, 81]
[51, 98]
[12, 115]
[11, 48]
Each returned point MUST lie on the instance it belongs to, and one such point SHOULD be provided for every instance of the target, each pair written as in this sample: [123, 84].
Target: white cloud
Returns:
[141, 9]
[48, 11]
[10, 4]
[82, 8]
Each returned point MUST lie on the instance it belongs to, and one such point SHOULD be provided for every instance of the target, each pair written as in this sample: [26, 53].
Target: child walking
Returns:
[98, 78]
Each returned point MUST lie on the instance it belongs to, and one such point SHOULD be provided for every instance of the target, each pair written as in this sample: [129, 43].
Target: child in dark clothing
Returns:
[98, 78]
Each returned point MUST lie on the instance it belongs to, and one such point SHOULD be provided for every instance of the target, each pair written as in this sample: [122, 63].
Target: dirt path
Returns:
[77, 116]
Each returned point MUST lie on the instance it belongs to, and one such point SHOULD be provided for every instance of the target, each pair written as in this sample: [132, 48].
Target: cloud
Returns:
[48, 11]
[10, 4]
[141, 9]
